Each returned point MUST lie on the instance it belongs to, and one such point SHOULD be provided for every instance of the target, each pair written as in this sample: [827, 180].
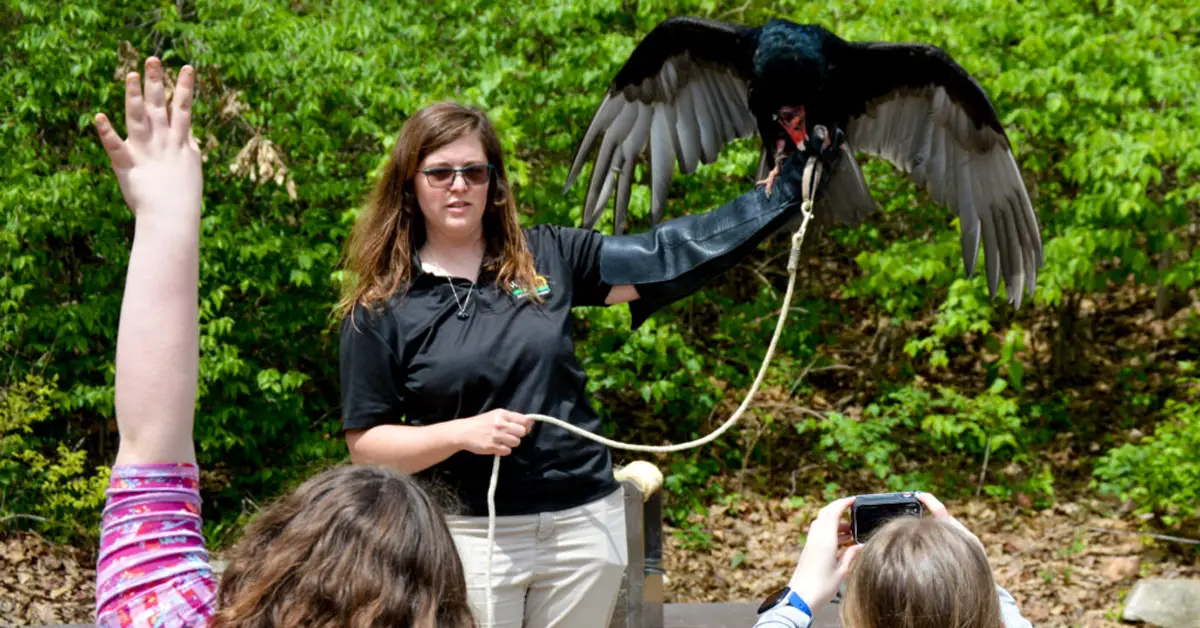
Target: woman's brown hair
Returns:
[378, 251]
[921, 573]
[352, 547]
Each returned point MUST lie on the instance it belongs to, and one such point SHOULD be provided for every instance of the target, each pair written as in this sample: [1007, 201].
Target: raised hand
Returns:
[158, 164]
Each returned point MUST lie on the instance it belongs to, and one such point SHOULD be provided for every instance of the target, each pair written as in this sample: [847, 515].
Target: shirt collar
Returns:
[418, 271]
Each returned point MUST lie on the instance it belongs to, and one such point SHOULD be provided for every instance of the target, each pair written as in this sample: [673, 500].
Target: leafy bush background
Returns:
[301, 100]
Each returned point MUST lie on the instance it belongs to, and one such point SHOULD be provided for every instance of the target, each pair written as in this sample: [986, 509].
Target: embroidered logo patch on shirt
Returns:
[540, 284]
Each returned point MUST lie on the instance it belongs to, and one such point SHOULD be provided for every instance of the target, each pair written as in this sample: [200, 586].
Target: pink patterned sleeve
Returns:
[153, 568]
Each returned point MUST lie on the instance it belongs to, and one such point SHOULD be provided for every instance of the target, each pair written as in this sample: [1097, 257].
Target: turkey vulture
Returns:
[693, 85]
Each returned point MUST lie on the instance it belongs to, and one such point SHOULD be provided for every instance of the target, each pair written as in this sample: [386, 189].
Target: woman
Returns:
[912, 573]
[291, 568]
[458, 325]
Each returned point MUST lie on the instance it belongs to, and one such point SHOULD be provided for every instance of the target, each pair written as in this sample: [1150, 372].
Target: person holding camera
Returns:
[913, 572]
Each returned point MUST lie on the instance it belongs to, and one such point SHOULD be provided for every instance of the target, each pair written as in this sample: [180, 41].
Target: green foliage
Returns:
[914, 423]
[41, 480]
[300, 103]
[654, 363]
[688, 490]
[1160, 473]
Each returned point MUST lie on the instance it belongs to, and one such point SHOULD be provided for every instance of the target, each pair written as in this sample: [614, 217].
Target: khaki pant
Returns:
[550, 570]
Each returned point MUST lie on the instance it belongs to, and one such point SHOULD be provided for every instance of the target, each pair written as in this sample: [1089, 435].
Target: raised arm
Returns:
[153, 569]
[158, 169]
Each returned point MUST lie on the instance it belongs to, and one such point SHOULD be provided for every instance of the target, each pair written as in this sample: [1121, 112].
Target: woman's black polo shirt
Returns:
[415, 362]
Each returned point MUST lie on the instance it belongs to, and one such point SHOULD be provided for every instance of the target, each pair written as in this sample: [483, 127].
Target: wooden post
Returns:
[640, 601]
[654, 585]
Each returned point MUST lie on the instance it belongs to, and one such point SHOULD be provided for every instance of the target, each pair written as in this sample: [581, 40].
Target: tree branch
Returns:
[809, 369]
[5, 518]
[1161, 537]
[739, 11]
[987, 452]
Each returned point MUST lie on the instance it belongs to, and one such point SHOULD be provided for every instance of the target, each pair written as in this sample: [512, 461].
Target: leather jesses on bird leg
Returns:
[675, 258]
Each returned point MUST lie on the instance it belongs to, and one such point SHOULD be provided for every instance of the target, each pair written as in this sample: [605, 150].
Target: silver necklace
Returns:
[462, 305]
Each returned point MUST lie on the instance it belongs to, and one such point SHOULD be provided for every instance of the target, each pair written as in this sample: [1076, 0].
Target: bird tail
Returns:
[847, 199]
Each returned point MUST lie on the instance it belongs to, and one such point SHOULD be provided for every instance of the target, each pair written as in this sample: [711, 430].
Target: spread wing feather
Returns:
[912, 105]
[680, 97]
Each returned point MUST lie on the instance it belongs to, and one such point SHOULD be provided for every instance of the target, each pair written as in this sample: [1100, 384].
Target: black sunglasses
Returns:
[443, 176]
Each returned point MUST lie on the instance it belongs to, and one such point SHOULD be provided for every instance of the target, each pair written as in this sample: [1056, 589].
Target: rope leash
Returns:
[812, 174]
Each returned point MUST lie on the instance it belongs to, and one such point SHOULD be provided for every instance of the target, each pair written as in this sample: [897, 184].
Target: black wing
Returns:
[914, 106]
[681, 95]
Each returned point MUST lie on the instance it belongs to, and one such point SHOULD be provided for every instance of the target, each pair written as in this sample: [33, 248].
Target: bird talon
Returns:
[768, 183]
[824, 144]
[770, 180]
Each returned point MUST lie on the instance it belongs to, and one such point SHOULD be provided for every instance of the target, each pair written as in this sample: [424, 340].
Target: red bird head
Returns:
[792, 121]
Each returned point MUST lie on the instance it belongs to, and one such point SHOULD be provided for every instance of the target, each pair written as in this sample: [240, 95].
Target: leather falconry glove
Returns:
[676, 257]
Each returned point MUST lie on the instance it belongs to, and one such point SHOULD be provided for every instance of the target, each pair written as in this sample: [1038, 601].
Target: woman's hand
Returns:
[158, 165]
[819, 574]
[495, 432]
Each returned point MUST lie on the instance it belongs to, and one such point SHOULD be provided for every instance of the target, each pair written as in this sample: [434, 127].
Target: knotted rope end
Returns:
[647, 477]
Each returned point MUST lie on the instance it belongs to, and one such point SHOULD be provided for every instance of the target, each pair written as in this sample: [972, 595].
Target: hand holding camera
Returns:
[819, 572]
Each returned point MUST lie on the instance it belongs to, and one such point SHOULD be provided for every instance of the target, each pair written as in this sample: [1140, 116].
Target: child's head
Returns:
[918, 573]
[351, 547]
